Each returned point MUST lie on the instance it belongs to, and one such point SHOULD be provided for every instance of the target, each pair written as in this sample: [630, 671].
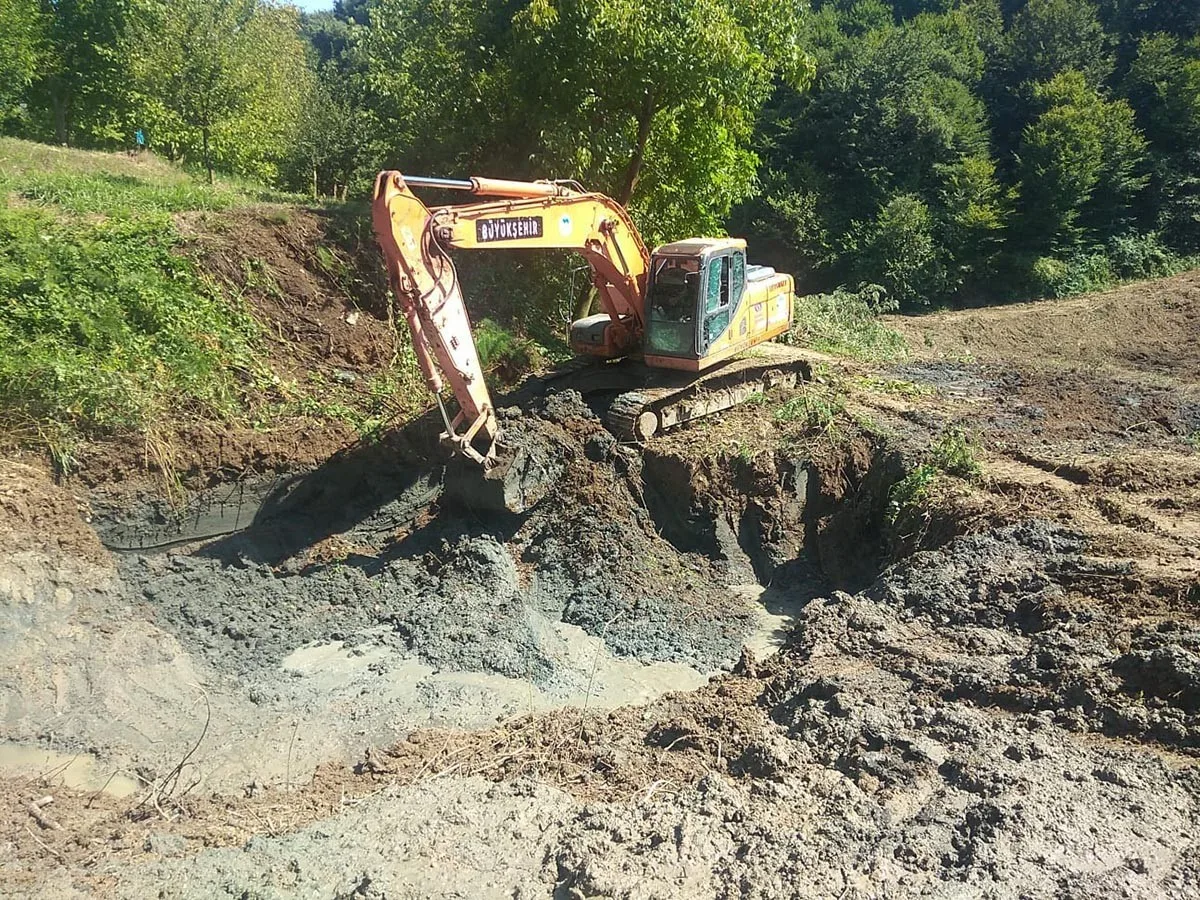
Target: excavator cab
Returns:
[704, 304]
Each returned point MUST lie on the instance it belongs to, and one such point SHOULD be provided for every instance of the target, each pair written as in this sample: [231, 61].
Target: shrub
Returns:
[954, 454]
[506, 358]
[1136, 256]
[900, 251]
[1047, 277]
[845, 322]
[1084, 272]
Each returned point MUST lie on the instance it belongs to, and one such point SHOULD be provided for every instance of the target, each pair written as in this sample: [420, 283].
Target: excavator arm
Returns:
[549, 215]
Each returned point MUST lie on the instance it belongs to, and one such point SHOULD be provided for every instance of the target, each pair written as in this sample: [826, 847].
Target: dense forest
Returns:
[914, 151]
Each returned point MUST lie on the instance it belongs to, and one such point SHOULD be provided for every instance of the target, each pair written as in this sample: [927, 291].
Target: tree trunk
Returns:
[60, 118]
[585, 302]
[207, 156]
[645, 117]
[314, 179]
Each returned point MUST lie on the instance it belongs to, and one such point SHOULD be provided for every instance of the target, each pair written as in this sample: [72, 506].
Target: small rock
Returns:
[164, 843]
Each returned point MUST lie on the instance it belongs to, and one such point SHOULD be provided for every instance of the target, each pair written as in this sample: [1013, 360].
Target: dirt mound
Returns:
[1151, 326]
[37, 515]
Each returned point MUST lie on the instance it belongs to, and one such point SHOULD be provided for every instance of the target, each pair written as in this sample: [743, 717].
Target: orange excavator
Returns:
[679, 319]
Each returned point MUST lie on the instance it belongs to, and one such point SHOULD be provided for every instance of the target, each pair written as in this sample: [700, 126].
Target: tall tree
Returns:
[224, 79]
[664, 93]
[1050, 36]
[654, 103]
[81, 89]
[1080, 164]
[892, 139]
[1163, 85]
[21, 36]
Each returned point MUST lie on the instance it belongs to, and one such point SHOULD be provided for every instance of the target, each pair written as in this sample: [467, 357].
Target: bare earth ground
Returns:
[371, 692]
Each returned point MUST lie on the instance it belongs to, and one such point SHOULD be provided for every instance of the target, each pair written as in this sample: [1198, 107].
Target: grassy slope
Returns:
[136, 299]
[106, 327]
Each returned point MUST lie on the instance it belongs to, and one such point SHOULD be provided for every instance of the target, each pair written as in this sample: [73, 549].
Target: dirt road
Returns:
[925, 628]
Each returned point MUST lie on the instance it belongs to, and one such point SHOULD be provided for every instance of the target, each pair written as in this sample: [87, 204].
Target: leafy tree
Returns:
[326, 149]
[1163, 85]
[21, 27]
[1079, 163]
[973, 216]
[1050, 36]
[663, 97]
[894, 135]
[1045, 37]
[80, 94]
[1133, 18]
[654, 103]
[225, 79]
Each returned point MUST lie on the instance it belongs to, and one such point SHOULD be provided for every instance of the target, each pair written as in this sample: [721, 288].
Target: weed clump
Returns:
[845, 323]
[953, 455]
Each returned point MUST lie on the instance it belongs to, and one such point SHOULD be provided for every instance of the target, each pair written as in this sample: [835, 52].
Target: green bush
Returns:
[846, 322]
[506, 358]
[899, 251]
[1135, 256]
[1080, 274]
[954, 454]
[1047, 277]
[910, 491]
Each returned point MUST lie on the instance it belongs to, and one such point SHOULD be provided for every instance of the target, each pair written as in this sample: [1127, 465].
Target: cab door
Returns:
[724, 283]
[715, 302]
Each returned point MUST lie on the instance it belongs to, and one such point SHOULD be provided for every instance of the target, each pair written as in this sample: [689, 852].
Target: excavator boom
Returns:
[414, 239]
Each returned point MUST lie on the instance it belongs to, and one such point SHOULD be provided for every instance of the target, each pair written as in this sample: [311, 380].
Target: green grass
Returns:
[73, 183]
[844, 323]
[896, 386]
[954, 454]
[105, 326]
[811, 409]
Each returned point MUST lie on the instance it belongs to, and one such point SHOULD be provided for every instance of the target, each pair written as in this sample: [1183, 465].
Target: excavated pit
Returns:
[381, 588]
[962, 721]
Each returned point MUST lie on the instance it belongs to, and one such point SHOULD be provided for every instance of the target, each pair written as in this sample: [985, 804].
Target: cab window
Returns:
[673, 290]
[739, 276]
[717, 288]
[716, 299]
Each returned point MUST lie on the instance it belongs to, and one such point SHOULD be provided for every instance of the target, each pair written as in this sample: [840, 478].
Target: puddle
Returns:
[774, 613]
[586, 674]
[79, 771]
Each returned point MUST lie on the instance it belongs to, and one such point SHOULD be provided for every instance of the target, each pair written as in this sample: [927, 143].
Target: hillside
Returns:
[150, 318]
